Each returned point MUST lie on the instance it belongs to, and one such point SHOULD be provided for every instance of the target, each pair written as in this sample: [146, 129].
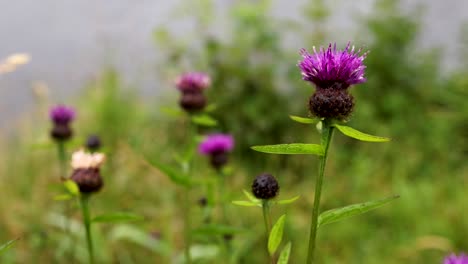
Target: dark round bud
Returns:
[61, 132]
[192, 101]
[228, 237]
[88, 180]
[202, 201]
[93, 143]
[331, 103]
[265, 186]
[219, 159]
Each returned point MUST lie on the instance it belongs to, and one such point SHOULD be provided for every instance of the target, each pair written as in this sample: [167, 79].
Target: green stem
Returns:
[187, 225]
[87, 223]
[267, 220]
[62, 159]
[327, 132]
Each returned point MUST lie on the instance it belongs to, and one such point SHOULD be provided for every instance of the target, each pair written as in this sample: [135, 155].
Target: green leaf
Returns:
[294, 148]
[303, 120]
[288, 201]
[172, 111]
[72, 187]
[251, 197]
[117, 217]
[204, 120]
[211, 107]
[284, 256]
[276, 235]
[4, 247]
[339, 214]
[353, 133]
[246, 203]
[63, 197]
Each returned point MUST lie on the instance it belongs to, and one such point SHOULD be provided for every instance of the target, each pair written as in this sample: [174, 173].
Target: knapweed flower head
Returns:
[193, 81]
[217, 146]
[332, 68]
[454, 259]
[215, 143]
[62, 114]
[332, 71]
[86, 172]
[265, 186]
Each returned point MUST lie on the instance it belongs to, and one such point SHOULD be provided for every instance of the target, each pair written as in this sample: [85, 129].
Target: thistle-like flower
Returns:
[265, 186]
[332, 71]
[217, 146]
[86, 171]
[192, 85]
[61, 117]
[454, 259]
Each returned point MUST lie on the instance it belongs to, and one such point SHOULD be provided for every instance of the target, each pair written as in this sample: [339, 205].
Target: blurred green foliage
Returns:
[256, 85]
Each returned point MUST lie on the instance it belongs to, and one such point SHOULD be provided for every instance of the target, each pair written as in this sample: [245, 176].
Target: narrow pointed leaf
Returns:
[303, 120]
[284, 255]
[288, 201]
[204, 120]
[63, 197]
[353, 133]
[117, 217]
[250, 196]
[176, 176]
[276, 235]
[71, 187]
[339, 214]
[246, 203]
[4, 247]
[294, 148]
[215, 229]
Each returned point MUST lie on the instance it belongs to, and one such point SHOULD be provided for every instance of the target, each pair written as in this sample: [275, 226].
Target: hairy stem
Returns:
[267, 220]
[327, 132]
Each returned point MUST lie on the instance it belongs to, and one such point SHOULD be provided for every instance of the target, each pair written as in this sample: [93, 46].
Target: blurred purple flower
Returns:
[193, 82]
[333, 68]
[454, 259]
[216, 143]
[61, 114]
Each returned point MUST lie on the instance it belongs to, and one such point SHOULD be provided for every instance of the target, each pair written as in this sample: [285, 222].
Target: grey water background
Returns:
[70, 41]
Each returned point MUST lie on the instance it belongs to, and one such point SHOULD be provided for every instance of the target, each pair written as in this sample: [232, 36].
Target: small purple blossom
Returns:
[454, 259]
[61, 114]
[193, 82]
[216, 143]
[332, 68]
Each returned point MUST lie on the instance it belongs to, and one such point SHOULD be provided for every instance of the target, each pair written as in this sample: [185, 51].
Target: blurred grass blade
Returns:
[291, 149]
[284, 256]
[356, 134]
[215, 229]
[175, 176]
[63, 197]
[139, 237]
[172, 111]
[204, 120]
[304, 120]
[276, 235]
[4, 247]
[288, 201]
[117, 217]
[339, 214]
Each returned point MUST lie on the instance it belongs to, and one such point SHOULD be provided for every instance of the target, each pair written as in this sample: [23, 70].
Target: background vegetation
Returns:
[256, 85]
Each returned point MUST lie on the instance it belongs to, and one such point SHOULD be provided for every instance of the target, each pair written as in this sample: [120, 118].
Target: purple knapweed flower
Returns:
[332, 68]
[454, 259]
[216, 143]
[193, 81]
[61, 114]
[217, 146]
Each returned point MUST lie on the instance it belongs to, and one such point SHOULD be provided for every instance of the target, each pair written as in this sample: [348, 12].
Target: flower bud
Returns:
[93, 143]
[192, 101]
[265, 186]
[331, 103]
[61, 131]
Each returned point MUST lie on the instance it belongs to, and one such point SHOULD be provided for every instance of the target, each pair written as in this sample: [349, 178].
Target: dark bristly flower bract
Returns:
[217, 146]
[61, 117]
[265, 186]
[86, 173]
[191, 85]
[332, 71]
[454, 259]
